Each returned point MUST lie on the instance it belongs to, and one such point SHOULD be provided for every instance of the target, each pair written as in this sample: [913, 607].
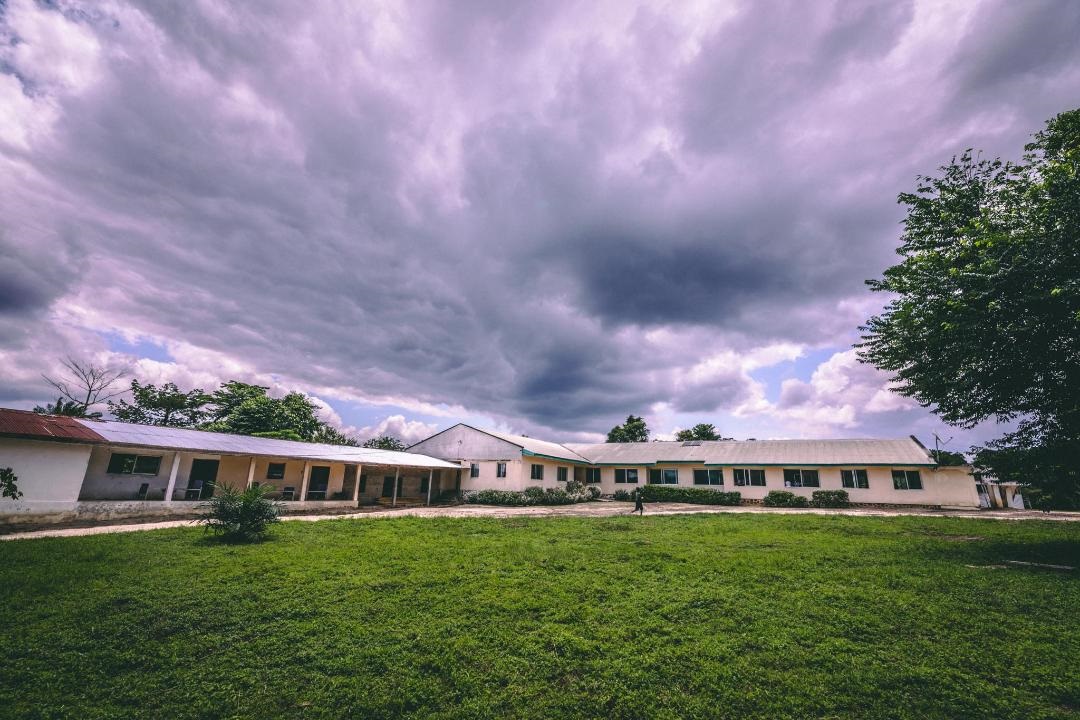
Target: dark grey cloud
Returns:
[553, 214]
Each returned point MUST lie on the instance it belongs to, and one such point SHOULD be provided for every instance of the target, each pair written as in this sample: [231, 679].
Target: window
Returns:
[624, 475]
[500, 469]
[592, 475]
[275, 471]
[537, 472]
[709, 477]
[474, 470]
[906, 480]
[854, 479]
[801, 478]
[124, 464]
[663, 476]
[561, 473]
[744, 476]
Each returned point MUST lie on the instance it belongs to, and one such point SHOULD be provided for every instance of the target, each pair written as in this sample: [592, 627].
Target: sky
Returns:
[533, 217]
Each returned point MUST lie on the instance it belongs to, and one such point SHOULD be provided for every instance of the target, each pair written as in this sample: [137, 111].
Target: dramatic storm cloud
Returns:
[542, 216]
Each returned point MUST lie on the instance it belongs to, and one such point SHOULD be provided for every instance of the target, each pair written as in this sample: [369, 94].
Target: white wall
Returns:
[49, 473]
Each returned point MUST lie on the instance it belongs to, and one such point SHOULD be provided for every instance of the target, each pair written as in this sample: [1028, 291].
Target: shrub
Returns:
[697, 496]
[830, 499]
[623, 495]
[529, 496]
[574, 487]
[783, 498]
[240, 515]
[8, 488]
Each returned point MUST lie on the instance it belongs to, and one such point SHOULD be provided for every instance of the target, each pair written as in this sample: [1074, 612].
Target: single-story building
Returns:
[70, 468]
[873, 472]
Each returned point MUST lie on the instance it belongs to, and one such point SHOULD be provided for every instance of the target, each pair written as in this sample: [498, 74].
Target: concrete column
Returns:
[305, 479]
[397, 474]
[356, 485]
[251, 472]
[172, 477]
[430, 481]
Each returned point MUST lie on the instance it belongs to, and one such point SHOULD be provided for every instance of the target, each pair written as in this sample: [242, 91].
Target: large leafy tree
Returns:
[167, 405]
[633, 430]
[68, 408]
[385, 442]
[262, 414]
[701, 431]
[984, 321]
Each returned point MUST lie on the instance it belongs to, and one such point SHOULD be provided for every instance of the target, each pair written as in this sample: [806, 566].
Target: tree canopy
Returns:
[633, 430]
[69, 408]
[167, 405]
[385, 442]
[701, 431]
[984, 320]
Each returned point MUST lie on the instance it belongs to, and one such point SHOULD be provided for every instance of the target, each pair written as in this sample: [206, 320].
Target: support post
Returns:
[430, 481]
[356, 485]
[304, 480]
[251, 472]
[397, 474]
[171, 488]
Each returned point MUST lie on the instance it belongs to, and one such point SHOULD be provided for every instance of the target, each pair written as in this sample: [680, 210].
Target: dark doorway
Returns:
[201, 480]
[318, 482]
[388, 486]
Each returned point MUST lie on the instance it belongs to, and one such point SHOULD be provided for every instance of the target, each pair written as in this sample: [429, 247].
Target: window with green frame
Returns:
[906, 480]
[625, 475]
[562, 474]
[745, 476]
[854, 479]
[537, 472]
[801, 478]
[709, 476]
[127, 464]
[663, 476]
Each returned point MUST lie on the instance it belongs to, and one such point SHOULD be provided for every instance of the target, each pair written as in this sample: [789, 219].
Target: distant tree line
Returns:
[235, 407]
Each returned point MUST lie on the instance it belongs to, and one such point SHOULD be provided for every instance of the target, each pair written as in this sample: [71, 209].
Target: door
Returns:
[388, 486]
[318, 482]
[202, 478]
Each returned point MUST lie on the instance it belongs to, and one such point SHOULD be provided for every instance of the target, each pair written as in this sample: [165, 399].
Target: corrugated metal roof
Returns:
[539, 447]
[222, 443]
[26, 424]
[898, 451]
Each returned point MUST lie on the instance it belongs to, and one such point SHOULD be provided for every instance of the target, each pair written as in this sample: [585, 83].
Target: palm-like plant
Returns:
[67, 408]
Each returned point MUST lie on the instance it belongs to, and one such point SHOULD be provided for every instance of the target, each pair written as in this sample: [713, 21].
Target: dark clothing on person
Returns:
[639, 506]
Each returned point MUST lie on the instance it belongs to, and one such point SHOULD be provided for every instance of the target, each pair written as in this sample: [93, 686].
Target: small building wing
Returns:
[33, 426]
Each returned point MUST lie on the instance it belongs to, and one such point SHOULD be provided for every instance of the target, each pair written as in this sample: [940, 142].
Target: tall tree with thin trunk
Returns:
[87, 384]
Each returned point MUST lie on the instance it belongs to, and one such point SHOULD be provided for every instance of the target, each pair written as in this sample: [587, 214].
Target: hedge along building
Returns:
[873, 472]
[72, 468]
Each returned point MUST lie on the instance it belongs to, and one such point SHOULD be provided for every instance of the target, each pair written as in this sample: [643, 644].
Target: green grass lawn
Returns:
[654, 617]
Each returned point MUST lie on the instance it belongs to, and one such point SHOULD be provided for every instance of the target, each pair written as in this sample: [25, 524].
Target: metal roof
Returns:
[171, 438]
[26, 424]
[897, 451]
[539, 447]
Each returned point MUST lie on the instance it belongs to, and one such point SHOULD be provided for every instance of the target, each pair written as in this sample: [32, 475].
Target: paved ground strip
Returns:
[593, 509]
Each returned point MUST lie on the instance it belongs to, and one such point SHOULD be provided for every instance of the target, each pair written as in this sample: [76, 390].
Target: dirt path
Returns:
[594, 509]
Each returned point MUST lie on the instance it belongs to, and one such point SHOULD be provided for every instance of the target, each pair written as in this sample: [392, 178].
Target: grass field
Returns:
[654, 617]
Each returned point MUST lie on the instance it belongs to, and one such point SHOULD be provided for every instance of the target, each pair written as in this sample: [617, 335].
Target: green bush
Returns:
[240, 515]
[623, 495]
[529, 496]
[783, 498]
[830, 499]
[8, 486]
[697, 496]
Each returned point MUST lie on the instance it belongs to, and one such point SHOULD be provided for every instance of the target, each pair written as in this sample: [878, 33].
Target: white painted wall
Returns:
[49, 474]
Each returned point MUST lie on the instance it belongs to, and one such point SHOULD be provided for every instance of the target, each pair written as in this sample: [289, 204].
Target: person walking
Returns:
[639, 506]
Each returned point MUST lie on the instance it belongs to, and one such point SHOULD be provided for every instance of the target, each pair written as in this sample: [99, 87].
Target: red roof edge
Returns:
[29, 425]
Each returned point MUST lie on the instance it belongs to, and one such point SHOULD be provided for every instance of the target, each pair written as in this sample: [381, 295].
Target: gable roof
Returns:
[171, 438]
[542, 448]
[34, 426]
[854, 453]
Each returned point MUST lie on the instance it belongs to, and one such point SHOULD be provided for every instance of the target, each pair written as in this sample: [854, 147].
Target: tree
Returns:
[332, 436]
[167, 405]
[948, 458]
[385, 442]
[633, 430]
[701, 431]
[68, 408]
[87, 385]
[227, 398]
[8, 484]
[985, 316]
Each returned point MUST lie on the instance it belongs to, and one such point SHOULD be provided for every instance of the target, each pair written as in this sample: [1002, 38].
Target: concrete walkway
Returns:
[593, 509]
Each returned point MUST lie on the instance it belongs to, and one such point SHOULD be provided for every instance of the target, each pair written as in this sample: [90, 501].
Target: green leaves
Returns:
[633, 430]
